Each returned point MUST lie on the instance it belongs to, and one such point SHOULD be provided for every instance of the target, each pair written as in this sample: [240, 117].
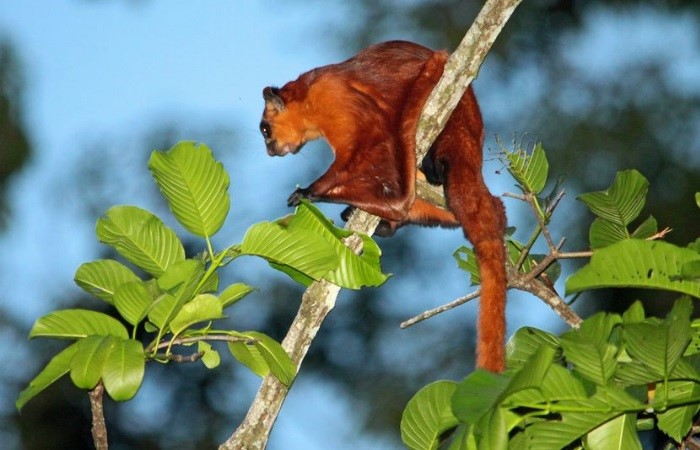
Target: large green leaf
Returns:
[587, 348]
[676, 422]
[622, 202]
[203, 307]
[578, 417]
[76, 324]
[88, 362]
[249, 356]
[659, 346]
[354, 271]
[195, 186]
[530, 171]
[133, 301]
[525, 343]
[619, 433]
[102, 277]
[428, 415]
[477, 394]
[302, 250]
[140, 237]
[55, 369]
[636, 263]
[123, 369]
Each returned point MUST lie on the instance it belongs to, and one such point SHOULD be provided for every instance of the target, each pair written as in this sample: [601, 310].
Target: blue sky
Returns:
[118, 67]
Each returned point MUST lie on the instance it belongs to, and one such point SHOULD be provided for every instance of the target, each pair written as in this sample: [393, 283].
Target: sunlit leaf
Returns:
[234, 293]
[123, 369]
[603, 233]
[140, 237]
[530, 171]
[101, 278]
[203, 307]
[279, 362]
[88, 362]
[354, 271]
[302, 250]
[195, 186]
[622, 202]
[55, 369]
[181, 280]
[619, 433]
[428, 415]
[133, 300]
[210, 357]
[76, 324]
[636, 263]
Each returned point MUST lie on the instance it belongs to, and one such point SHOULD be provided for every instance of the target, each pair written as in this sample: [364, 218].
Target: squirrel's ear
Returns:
[272, 98]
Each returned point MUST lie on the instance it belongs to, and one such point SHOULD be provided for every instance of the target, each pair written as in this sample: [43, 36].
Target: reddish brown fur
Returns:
[367, 109]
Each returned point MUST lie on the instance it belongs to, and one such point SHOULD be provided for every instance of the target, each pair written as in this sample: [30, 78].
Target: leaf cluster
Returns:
[612, 375]
[178, 299]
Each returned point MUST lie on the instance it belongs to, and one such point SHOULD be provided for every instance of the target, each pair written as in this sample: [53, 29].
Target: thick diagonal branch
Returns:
[319, 299]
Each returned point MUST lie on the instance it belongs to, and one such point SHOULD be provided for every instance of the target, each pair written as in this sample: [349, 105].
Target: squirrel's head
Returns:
[285, 124]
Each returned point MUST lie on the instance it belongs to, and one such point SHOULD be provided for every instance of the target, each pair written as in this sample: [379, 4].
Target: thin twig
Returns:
[440, 309]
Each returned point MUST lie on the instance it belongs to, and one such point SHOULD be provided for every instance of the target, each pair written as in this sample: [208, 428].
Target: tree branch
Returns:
[99, 428]
[319, 299]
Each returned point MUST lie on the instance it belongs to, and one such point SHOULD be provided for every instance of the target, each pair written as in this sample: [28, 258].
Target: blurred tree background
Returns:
[548, 79]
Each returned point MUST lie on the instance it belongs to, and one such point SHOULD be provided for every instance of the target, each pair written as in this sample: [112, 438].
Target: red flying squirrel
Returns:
[367, 108]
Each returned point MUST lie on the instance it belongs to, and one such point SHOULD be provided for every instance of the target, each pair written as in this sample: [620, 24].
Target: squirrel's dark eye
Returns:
[265, 129]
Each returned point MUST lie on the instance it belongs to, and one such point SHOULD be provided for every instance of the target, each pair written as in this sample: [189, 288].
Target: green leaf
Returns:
[102, 277]
[181, 280]
[302, 250]
[636, 263]
[210, 357]
[530, 171]
[278, 361]
[525, 343]
[140, 237]
[619, 433]
[55, 369]
[234, 293]
[428, 415]
[603, 233]
[123, 369]
[579, 417]
[76, 324]
[587, 348]
[87, 363]
[477, 394]
[133, 300]
[354, 271]
[195, 186]
[491, 431]
[203, 307]
[560, 384]
[249, 356]
[466, 260]
[646, 229]
[676, 422]
[659, 346]
[622, 202]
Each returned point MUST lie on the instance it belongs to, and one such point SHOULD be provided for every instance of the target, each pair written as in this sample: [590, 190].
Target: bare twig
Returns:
[99, 428]
[440, 309]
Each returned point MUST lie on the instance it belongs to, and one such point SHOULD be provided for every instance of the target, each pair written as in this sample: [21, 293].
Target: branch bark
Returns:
[99, 428]
[319, 299]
